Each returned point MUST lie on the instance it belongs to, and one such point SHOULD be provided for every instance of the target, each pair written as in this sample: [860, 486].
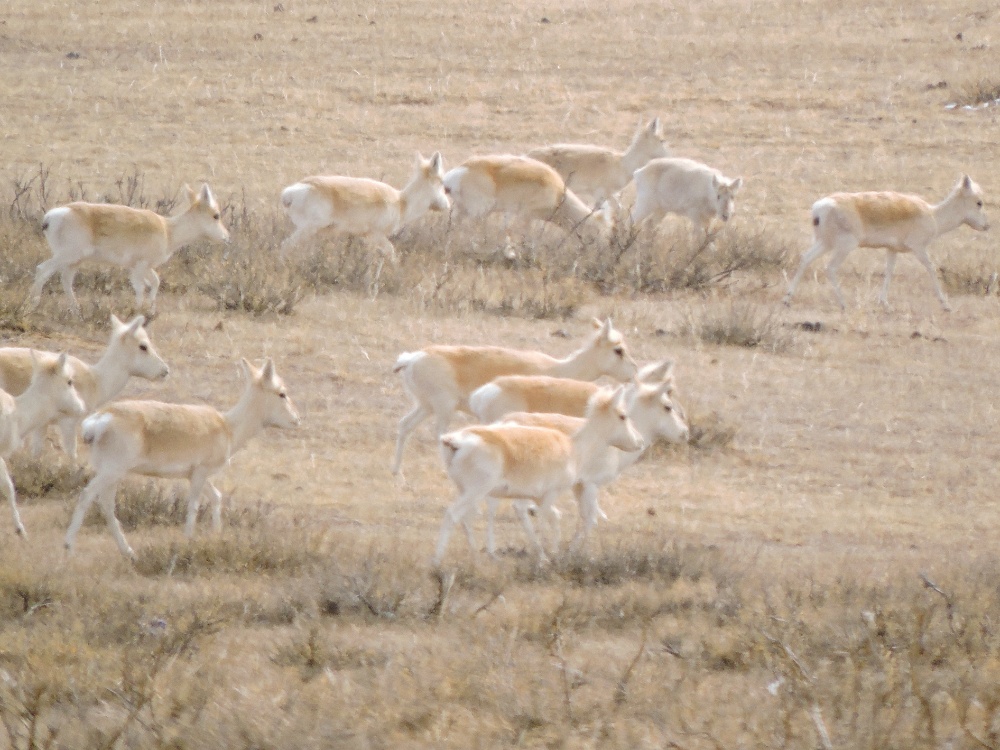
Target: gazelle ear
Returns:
[135, 324]
[116, 324]
[736, 184]
[192, 196]
[437, 163]
[249, 371]
[205, 196]
[267, 372]
[61, 362]
[966, 182]
[618, 397]
[603, 326]
[654, 126]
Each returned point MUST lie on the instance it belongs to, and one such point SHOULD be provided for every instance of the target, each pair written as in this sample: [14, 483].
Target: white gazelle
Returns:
[537, 463]
[176, 441]
[129, 353]
[687, 188]
[440, 379]
[363, 207]
[50, 394]
[602, 173]
[133, 238]
[898, 222]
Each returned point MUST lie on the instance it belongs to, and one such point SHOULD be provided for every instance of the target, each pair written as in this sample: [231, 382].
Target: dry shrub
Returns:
[710, 430]
[143, 504]
[973, 278]
[313, 651]
[51, 474]
[259, 552]
[739, 323]
[979, 91]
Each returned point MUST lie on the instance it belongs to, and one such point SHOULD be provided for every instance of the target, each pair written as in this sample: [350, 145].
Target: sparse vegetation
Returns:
[812, 570]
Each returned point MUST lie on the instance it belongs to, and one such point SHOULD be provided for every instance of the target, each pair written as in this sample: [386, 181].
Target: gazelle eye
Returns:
[979, 204]
[70, 382]
[619, 351]
[282, 395]
[143, 348]
[668, 408]
[215, 216]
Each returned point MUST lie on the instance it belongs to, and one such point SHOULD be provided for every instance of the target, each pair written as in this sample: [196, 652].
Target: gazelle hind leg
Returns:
[814, 252]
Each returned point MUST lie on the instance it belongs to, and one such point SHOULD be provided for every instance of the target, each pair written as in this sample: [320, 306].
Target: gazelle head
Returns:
[141, 359]
[608, 410]
[52, 380]
[203, 210]
[611, 354]
[970, 197]
[648, 143]
[725, 190]
[430, 176]
[277, 406]
[657, 415]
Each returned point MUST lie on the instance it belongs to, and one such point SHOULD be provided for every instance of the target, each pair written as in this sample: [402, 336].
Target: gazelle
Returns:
[130, 353]
[176, 441]
[898, 222]
[441, 378]
[539, 463]
[523, 189]
[49, 394]
[685, 187]
[542, 393]
[133, 238]
[602, 173]
[363, 207]
[655, 416]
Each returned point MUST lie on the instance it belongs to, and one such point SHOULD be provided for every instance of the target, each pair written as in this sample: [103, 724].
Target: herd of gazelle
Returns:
[547, 428]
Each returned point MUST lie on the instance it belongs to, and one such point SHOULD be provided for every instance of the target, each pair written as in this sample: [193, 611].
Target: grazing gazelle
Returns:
[133, 238]
[898, 222]
[538, 463]
[49, 395]
[440, 379]
[522, 189]
[602, 173]
[176, 441]
[363, 207]
[129, 353]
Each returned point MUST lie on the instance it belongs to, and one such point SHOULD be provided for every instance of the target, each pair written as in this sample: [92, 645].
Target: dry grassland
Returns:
[816, 570]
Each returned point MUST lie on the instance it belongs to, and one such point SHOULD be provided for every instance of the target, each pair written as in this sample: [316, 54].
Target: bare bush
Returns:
[739, 323]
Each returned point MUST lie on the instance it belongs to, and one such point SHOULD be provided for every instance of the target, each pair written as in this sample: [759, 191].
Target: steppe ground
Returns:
[816, 569]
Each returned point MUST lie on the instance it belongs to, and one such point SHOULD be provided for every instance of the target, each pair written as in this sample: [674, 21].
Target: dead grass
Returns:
[814, 565]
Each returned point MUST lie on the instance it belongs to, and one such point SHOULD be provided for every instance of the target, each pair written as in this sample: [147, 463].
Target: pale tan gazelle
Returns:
[130, 353]
[538, 463]
[898, 222]
[133, 238]
[176, 441]
[601, 173]
[363, 207]
[50, 394]
[440, 379]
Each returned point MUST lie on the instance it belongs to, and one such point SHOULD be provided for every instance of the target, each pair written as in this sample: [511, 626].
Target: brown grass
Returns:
[817, 563]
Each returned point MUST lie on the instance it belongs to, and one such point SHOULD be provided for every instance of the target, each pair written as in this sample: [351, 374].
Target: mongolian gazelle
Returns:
[521, 188]
[134, 238]
[898, 222]
[537, 463]
[363, 207]
[602, 173]
[50, 394]
[441, 378]
[129, 353]
[655, 416]
[176, 441]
